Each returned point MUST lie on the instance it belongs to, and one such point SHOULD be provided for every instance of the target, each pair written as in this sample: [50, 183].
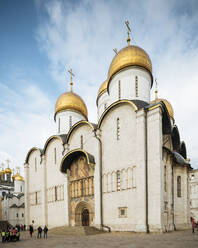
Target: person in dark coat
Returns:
[31, 230]
[45, 230]
[39, 229]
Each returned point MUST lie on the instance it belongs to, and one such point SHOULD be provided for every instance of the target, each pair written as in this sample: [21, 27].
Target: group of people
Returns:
[39, 231]
[10, 234]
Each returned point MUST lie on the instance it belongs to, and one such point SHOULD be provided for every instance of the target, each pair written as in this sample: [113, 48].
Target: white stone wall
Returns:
[193, 177]
[64, 118]
[54, 178]
[127, 85]
[103, 103]
[181, 211]
[120, 155]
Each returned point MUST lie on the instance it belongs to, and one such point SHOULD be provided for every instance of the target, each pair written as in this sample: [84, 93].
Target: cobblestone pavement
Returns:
[178, 239]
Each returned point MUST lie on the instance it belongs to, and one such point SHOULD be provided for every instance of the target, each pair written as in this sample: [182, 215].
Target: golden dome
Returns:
[71, 101]
[8, 171]
[129, 56]
[168, 106]
[18, 177]
[2, 172]
[103, 88]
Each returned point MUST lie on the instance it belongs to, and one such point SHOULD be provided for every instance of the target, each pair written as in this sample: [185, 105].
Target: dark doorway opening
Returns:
[85, 217]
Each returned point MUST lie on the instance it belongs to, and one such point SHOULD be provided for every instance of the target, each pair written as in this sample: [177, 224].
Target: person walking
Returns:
[39, 229]
[31, 230]
[3, 235]
[45, 230]
[193, 225]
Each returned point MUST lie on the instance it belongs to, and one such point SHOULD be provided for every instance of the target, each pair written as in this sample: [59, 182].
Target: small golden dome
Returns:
[103, 88]
[129, 56]
[168, 106]
[8, 171]
[18, 177]
[2, 172]
[71, 101]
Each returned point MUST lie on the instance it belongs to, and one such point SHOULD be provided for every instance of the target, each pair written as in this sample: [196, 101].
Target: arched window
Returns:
[35, 164]
[118, 129]
[119, 90]
[55, 193]
[54, 155]
[70, 121]
[118, 180]
[81, 141]
[59, 125]
[179, 186]
[165, 184]
[136, 86]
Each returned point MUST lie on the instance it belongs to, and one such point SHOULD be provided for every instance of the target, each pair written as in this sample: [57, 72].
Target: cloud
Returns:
[25, 121]
[82, 35]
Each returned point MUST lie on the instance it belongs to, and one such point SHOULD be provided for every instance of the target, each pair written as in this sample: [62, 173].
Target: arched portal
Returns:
[79, 166]
[83, 214]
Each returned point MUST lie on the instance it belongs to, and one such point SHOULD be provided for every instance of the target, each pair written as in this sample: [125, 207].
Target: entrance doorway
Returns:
[85, 217]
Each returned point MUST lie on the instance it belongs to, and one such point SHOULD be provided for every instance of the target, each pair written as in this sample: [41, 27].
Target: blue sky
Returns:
[40, 40]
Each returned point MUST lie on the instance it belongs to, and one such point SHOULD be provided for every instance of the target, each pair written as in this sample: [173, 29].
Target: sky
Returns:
[41, 40]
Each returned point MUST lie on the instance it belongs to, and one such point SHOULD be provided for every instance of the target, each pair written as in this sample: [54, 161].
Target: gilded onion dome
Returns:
[71, 101]
[18, 177]
[2, 172]
[168, 106]
[129, 56]
[8, 170]
[102, 88]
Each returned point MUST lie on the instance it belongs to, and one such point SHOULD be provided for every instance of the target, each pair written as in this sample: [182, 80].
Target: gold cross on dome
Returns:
[2, 165]
[128, 32]
[71, 76]
[18, 169]
[8, 162]
[156, 90]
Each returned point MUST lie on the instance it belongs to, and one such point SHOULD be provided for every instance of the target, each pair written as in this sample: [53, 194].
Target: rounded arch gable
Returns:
[70, 156]
[183, 151]
[76, 126]
[50, 140]
[112, 106]
[175, 137]
[31, 151]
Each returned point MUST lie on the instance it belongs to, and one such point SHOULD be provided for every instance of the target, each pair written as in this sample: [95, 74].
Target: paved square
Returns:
[178, 239]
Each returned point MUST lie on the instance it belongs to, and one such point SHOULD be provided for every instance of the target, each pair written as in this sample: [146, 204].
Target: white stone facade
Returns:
[131, 152]
[193, 178]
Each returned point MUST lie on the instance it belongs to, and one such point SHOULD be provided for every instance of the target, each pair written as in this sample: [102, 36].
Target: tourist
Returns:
[193, 225]
[3, 235]
[31, 230]
[39, 232]
[45, 230]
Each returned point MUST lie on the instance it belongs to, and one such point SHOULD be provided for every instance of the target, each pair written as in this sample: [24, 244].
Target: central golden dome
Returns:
[129, 56]
[103, 88]
[71, 101]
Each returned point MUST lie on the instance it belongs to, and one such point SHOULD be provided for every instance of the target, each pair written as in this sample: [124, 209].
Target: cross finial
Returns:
[2, 165]
[18, 169]
[71, 76]
[115, 50]
[128, 32]
[156, 90]
[8, 162]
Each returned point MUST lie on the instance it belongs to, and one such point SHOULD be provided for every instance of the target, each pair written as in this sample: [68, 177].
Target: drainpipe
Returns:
[146, 171]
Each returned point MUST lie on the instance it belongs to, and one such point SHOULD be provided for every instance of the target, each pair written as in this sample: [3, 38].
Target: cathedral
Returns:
[127, 172]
